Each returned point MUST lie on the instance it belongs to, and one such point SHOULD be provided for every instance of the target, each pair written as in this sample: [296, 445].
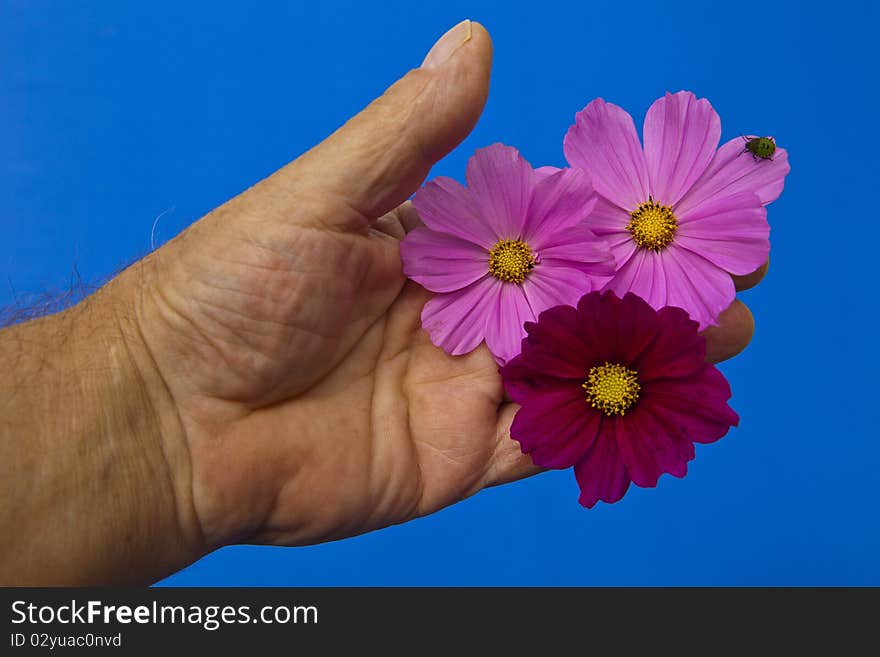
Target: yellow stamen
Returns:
[652, 225]
[612, 388]
[510, 261]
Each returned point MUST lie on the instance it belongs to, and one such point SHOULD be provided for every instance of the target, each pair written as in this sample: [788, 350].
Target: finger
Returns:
[508, 463]
[399, 221]
[390, 224]
[733, 333]
[380, 157]
[409, 218]
[751, 280]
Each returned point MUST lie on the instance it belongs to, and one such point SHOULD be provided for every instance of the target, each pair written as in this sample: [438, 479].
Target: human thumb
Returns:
[380, 157]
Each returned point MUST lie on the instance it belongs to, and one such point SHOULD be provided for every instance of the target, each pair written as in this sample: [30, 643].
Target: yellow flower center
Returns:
[510, 261]
[612, 388]
[652, 225]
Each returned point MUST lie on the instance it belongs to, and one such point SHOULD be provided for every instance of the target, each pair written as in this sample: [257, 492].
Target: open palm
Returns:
[349, 420]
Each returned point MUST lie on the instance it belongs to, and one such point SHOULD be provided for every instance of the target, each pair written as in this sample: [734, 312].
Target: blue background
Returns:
[113, 114]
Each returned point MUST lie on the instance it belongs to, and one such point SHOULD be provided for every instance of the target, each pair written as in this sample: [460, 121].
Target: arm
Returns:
[87, 481]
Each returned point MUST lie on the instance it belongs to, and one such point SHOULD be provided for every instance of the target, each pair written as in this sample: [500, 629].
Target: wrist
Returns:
[93, 471]
[223, 491]
[145, 408]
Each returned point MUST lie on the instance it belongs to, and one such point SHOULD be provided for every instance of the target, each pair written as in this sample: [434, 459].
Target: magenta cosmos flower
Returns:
[616, 389]
[501, 250]
[678, 215]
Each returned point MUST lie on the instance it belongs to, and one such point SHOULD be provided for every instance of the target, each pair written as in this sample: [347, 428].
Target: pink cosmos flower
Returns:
[501, 250]
[616, 389]
[679, 215]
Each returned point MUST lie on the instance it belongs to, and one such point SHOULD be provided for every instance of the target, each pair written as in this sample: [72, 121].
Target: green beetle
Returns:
[762, 147]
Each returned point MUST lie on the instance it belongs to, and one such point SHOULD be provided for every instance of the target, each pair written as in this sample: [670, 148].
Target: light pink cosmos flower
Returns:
[679, 215]
[501, 250]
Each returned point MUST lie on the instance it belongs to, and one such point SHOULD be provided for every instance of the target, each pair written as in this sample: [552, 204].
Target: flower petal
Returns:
[678, 350]
[441, 262]
[446, 206]
[607, 219]
[681, 135]
[609, 223]
[643, 275]
[505, 320]
[684, 446]
[522, 379]
[556, 426]
[733, 170]
[456, 321]
[601, 474]
[577, 247]
[501, 183]
[604, 142]
[731, 232]
[696, 285]
[549, 286]
[616, 329]
[542, 172]
[634, 329]
[554, 347]
[695, 404]
[596, 325]
[559, 201]
[648, 450]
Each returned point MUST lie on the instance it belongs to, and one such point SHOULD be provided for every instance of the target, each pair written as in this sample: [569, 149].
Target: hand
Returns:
[296, 396]
[313, 405]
